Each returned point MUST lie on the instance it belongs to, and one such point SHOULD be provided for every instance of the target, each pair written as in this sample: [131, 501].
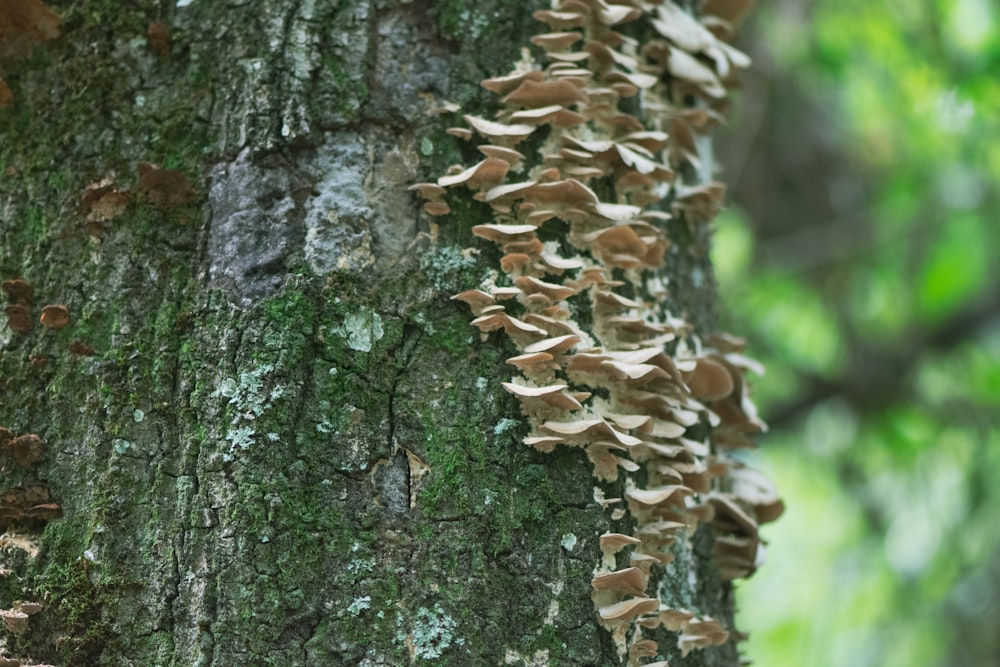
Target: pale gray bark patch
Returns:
[251, 229]
[360, 212]
[338, 217]
[392, 483]
[408, 65]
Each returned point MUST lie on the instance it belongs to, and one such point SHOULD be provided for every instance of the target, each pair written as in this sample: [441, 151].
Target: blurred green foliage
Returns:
[882, 339]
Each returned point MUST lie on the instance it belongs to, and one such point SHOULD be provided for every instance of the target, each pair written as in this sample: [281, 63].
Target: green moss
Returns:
[78, 594]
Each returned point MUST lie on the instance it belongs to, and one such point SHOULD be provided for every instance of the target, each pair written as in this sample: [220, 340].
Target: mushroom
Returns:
[560, 19]
[19, 318]
[16, 621]
[628, 609]
[18, 290]
[700, 634]
[29, 608]
[543, 400]
[500, 132]
[630, 581]
[486, 173]
[649, 498]
[612, 543]
[164, 188]
[710, 380]
[504, 84]
[643, 648]
[508, 155]
[24, 449]
[54, 316]
[589, 430]
[533, 94]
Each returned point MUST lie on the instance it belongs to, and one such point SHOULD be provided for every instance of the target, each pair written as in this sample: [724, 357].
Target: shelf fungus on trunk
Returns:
[634, 386]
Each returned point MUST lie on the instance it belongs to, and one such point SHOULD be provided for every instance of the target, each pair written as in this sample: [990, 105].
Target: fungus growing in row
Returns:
[24, 450]
[15, 621]
[609, 387]
[23, 25]
[101, 202]
[31, 501]
[19, 293]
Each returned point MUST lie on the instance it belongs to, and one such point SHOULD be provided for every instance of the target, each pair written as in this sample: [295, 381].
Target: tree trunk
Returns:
[272, 437]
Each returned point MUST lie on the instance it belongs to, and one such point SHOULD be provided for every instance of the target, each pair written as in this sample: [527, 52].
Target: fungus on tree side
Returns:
[54, 316]
[23, 25]
[164, 188]
[605, 383]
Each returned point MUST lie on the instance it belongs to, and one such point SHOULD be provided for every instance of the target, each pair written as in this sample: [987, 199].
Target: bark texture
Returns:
[285, 445]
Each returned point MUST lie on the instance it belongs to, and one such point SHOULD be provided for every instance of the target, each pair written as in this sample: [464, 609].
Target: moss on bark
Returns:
[319, 475]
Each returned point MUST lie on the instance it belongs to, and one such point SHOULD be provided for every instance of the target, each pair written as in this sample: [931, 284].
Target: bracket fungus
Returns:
[54, 316]
[24, 450]
[23, 25]
[630, 383]
[32, 501]
[19, 293]
[164, 188]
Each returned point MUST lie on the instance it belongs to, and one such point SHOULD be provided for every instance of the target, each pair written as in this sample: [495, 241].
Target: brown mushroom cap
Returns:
[560, 19]
[589, 430]
[29, 608]
[670, 494]
[756, 489]
[55, 316]
[499, 131]
[643, 648]
[486, 173]
[554, 396]
[543, 443]
[612, 543]
[532, 363]
[533, 94]
[16, 621]
[505, 84]
[24, 449]
[510, 324]
[430, 191]
[710, 380]
[508, 155]
[18, 290]
[675, 619]
[462, 133]
[530, 285]
[19, 318]
[554, 345]
[504, 233]
[556, 41]
[556, 114]
[164, 188]
[628, 609]
[630, 581]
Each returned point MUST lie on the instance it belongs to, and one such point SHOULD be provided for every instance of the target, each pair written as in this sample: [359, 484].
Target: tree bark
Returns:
[273, 437]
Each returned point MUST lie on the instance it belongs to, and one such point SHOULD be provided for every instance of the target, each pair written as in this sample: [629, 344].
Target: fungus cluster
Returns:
[26, 503]
[23, 24]
[103, 201]
[29, 501]
[628, 383]
[16, 618]
[18, 310]
[19, 293]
